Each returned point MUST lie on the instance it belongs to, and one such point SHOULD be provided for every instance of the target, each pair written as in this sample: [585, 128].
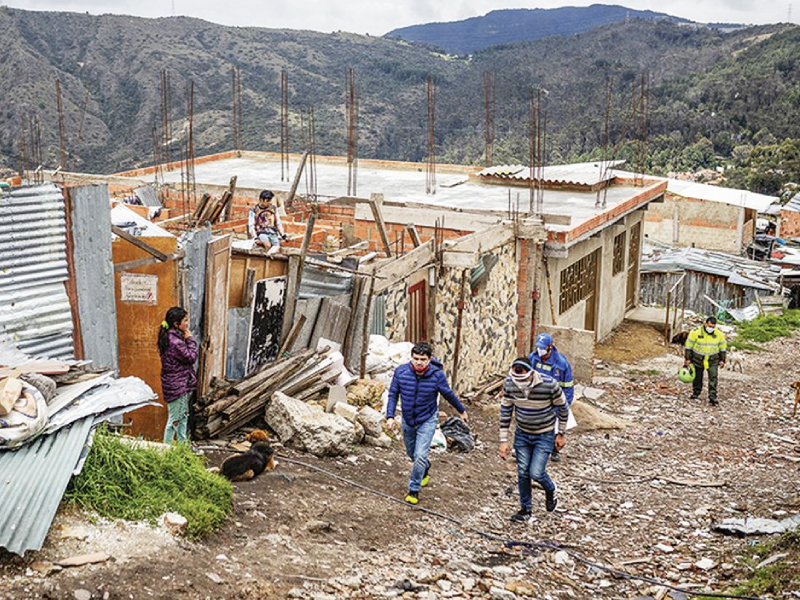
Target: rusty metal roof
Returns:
[34, 309]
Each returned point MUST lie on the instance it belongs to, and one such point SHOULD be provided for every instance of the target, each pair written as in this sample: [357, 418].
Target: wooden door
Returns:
[590, 281]
[633, 265]
[417, 329]
[215, 331]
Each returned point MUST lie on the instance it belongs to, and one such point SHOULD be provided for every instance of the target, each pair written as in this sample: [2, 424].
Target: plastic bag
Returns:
[458, 435]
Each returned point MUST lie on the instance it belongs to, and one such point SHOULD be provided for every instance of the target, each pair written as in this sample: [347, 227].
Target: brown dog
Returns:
[796, 386]
[243, 467]
[257, 435]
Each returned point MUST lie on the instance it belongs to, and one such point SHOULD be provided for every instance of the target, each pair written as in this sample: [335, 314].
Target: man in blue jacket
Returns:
[419, 383]
[549, 361]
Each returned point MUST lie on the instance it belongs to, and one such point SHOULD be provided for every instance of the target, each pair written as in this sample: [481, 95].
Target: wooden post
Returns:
[666, 318]
[414, 235]
[296, 181]
[249, 284]
[461, 303]
[292, 290]
[375, 200]
[70, 283]
[365, 331]
[352, 325]
[227, 197]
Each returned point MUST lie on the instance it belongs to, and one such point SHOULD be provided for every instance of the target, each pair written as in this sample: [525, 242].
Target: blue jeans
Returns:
[532, 454]
[177, 420]
[418, 440]
[269, 237]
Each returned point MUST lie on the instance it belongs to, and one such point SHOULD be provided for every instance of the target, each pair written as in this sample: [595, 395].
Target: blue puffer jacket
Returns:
[418, 393]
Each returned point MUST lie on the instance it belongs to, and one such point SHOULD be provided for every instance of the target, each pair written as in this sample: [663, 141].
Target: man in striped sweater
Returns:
[534, 400]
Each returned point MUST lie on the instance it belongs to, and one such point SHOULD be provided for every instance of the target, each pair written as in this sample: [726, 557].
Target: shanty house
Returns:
[705, 216]
[470, 263]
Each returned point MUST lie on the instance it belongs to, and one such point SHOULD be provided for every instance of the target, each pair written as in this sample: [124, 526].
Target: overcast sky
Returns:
[376, 17]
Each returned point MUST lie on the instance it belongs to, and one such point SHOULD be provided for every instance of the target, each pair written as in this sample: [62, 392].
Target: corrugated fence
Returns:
[34, 308]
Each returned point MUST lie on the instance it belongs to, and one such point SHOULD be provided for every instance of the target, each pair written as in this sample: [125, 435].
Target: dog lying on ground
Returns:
[244, 467]
[257, 435]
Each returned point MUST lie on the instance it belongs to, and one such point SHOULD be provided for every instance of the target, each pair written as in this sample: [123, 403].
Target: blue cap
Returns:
[523, 362]
[544, 341]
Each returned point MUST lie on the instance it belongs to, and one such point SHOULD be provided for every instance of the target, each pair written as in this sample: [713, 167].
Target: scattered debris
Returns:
[757, 526]
[83, 559]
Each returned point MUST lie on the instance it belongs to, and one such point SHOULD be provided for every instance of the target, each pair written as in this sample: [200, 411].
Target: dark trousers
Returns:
[713, 369]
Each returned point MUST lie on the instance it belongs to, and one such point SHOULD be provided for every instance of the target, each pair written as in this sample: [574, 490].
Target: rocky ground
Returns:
[641, 500]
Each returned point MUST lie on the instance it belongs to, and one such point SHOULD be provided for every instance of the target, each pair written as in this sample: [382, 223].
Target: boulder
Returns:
[372, 420]
[358, 433]
[366, 392]
[308, 427]
[382, 441]
[348, 411]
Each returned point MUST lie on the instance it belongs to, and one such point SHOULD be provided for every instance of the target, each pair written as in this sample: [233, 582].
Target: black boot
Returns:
[550, 500]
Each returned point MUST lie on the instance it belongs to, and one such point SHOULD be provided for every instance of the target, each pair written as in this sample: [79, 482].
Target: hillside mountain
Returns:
[716, 98]
[520, 25]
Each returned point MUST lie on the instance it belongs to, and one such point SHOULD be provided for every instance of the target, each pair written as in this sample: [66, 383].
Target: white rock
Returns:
[665, 548]
[384, 441]
[174, 522]
[503, 571]
[353, 582]
[562, 558]
[705, 564]
[593, 393]
[468, 584]
[82, 594]
[372, 420]
[498, 593]
[358, 436]
[308, 427]
[444, 585]
[214, 577]
[348, 411]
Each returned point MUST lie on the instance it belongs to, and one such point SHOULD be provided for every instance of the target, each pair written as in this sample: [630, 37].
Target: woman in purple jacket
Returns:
[178, 350]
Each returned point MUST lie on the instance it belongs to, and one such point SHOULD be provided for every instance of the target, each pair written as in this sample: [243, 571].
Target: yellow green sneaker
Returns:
[427, 477]
[412, 497]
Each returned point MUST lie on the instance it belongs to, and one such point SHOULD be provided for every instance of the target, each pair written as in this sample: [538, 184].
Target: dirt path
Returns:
[299, 533]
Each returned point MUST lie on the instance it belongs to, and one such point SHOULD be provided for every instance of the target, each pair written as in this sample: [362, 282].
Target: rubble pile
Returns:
[304, 376]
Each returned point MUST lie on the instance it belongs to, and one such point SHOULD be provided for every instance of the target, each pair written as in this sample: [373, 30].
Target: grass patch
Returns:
[137, 484]
[769, 327]
[775, 579]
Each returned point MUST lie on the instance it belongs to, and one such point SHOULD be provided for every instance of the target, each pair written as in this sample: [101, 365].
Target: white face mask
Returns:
[709, 329]
[542, 351]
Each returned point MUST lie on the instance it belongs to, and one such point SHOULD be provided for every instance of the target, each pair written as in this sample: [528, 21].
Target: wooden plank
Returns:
[375, 200]
[296, 181]
[389, 273]
[228, 199]
[265, 325]
[249, 284]
[143, 262]
[484, 241]
[142, 245]
[331, 323]
[10, 390]
[414, 235]
[292, 284]
[215, 335]
[459, 260]
[293, 333]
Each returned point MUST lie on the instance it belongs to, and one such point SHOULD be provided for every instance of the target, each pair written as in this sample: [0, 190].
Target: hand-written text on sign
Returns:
[139, 289]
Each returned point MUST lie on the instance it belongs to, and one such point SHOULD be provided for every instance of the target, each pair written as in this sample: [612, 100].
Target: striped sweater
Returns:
[533, 406]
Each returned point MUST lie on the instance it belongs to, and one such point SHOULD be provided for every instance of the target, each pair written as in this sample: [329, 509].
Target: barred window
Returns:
[577, 282]
[619, 254]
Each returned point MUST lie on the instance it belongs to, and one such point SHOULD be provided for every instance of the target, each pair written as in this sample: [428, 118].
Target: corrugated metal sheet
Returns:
[94, 274]
[34, 308]
[320, 283]
[793, 205]
[32, 482]
[378, 317]
[590, 173]
[714, 193]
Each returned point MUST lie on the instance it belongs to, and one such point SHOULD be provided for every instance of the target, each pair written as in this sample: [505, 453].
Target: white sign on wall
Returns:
[136, 288]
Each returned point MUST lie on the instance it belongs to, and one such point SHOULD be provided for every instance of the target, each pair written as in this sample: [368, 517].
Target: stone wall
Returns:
[397, 311]
[488, 331]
